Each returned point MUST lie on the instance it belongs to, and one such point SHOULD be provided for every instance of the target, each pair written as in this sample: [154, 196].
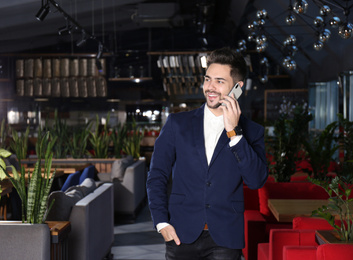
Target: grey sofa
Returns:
[129, 179]
[90, 211]
[20, 241]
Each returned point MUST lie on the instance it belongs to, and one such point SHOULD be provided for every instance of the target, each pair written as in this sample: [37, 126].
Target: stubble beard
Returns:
[212, 106]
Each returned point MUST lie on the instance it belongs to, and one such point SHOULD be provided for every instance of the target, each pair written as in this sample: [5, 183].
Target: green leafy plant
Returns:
[290, 129]
[34, 189]
[19, 143]
[118, 137]
[100, 139]
[3, 135]
[78, 141]
[320, 150]
[132, 141]
[339, 190]
[345, 140]
[61, 132]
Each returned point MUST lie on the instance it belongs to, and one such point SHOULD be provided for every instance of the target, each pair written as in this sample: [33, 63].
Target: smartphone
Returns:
[236, 90]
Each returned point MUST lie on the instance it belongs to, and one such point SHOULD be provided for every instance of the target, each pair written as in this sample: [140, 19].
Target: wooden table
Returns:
[285, 210]
[59, 231]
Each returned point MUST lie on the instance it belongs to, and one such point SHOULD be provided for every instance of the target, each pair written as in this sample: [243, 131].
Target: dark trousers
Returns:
[203, 248]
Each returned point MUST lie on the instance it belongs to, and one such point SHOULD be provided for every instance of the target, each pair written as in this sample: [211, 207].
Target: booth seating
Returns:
[129, 179]
[299, 241]
[258, 219]
[90, 210]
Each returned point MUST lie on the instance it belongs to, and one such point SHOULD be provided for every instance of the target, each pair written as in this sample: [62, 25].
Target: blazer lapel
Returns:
[198, 135]
[223, 140]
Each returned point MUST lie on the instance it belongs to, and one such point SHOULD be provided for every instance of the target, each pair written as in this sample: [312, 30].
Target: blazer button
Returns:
[208, 206]
[208, 184]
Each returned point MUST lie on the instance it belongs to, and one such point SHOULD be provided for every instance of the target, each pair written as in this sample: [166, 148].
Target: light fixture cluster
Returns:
[71, 25]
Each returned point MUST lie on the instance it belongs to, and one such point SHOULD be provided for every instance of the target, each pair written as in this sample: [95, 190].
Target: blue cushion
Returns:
[72, 179]
[88, 172]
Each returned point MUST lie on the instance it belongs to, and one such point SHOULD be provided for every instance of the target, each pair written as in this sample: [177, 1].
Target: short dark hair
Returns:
[227, 56]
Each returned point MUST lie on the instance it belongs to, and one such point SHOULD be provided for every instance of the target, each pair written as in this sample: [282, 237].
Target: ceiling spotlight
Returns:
[261, 14]
[65, 30]
[83, 39]
[100, 51]
[43, 12]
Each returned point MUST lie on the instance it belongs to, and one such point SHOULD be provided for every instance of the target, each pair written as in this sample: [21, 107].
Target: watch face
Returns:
[238, 130]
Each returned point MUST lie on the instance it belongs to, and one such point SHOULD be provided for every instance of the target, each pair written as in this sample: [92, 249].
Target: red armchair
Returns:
[258, 217]
[293, 244]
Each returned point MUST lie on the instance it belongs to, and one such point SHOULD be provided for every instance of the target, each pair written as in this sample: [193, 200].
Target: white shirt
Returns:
[213, 127]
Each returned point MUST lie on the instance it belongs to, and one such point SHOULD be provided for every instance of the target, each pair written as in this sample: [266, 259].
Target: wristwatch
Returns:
[236, 131]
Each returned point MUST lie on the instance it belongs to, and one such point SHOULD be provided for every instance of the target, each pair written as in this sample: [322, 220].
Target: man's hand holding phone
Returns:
[231, 109]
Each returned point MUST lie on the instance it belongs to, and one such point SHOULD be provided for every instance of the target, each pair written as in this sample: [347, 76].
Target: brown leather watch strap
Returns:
[231, 134]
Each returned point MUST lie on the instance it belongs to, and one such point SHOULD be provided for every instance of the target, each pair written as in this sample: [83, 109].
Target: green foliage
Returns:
[289, 133]
[345, 140]
[100, 139]
[78, 141]
[3, 135]
[118, 137]
[19, 143]
[339, 190]
[131, 145]
[320, 149]
[61, 131]
[34, 198]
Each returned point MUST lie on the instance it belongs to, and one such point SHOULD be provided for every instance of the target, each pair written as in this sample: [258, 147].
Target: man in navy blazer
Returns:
[209, 152]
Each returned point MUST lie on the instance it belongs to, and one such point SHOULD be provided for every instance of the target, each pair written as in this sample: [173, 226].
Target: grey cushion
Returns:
[86, 187]
[119, 167]
[64, 201]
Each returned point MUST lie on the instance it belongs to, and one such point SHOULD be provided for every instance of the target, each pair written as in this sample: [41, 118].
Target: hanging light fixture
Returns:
[300, 6]
[43, 11]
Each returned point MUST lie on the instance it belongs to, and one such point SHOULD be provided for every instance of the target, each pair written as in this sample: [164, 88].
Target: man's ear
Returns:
[241, 83]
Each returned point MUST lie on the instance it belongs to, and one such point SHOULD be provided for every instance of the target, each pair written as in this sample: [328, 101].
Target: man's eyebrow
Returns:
[206, 76]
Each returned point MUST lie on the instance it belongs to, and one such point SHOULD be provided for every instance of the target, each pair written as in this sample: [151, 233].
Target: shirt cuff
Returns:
[235, 140]
[161, 225]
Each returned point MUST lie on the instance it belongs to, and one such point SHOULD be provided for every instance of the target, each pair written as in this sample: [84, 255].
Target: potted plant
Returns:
[34, 189]
[100, 139]
[320, 149]
[290, 129]
[340, 204]
[132, 141]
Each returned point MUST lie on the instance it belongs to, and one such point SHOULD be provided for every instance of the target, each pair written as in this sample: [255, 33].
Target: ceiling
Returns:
[178, 25]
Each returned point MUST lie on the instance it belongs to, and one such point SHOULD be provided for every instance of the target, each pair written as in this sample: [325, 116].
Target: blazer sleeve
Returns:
[162, 161]
[251, 156]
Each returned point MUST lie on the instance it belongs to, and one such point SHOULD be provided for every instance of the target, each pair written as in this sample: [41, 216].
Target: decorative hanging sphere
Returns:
[290, 19]
[325, 35]
[300, 6]
[261, 14]
[261, 47]
[318, 45]
[292, 65]
[261, 39]
[253, 26]
[290, 40]
[241, 43]
[252, 37]
[325, 10]
[293, 50]
[345, 30]
[264, 61]
[286, 61]
[264, 79]
[334, 21]
[261, 22]
[318, 21]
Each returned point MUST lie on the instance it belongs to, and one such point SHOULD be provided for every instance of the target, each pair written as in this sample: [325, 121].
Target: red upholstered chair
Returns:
[335, 252]
[299, 252]
[279, 238]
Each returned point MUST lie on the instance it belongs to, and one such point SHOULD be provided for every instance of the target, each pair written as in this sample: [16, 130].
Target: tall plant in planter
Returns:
[118, 137]
[100, 139]
[61, 131]
[290, 129]
[78, 141]
[132, 141]
[34, 189]
[345, 140]
[320, 150]
[340, 203]
[19, 143]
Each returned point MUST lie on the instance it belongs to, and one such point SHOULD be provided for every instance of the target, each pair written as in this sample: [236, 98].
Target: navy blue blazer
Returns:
[203, 193]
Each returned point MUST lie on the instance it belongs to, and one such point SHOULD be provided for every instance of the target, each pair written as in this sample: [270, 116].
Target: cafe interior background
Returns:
[140, 60]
